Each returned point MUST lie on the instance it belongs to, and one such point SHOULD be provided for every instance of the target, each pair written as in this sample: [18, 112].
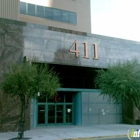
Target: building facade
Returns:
[69, 14]
[68, 47]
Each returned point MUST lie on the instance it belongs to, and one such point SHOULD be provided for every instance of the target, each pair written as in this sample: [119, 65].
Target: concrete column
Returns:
[9, 9]
[78, 108]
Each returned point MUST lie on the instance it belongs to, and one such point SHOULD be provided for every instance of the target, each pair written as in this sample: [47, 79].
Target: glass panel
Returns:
[68, 113]
[72, 17]
[58, 98]
[48, 13]
[51, 113]
[59, 113]
[41, 114]
[40, 11]
[68, 97]
[22, 8]
[31, 9]
[65, 16]
[41, 98]
[81, 77]
[50, 100]
[57, 14]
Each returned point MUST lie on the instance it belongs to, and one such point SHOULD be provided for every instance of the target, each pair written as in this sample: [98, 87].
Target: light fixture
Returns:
[38, 93]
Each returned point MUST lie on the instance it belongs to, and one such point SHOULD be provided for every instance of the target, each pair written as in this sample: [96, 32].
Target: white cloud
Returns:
[117, 18]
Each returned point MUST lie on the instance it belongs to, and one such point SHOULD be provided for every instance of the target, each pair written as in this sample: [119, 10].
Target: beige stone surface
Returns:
[9, 9]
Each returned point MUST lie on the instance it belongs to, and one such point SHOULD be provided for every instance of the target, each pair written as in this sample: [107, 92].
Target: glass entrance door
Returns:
[69, 114]
[51, 114]
[55, 114]
[59, 113]
[41, 114]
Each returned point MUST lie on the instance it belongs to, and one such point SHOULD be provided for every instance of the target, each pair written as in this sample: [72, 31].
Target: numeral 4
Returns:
[76, 51]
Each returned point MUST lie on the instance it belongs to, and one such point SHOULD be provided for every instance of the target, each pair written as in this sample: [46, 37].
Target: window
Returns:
[80, 77]
[40, 11]
[48, 13]
[72, 17]
[31, 9]
[65, 16]
[22, 8]
[56, 14]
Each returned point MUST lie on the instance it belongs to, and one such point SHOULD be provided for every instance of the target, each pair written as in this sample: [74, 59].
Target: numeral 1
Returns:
[95, 51]
[86, 50]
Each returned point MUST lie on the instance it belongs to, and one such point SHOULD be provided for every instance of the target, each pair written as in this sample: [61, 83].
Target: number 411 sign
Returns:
[76, 50]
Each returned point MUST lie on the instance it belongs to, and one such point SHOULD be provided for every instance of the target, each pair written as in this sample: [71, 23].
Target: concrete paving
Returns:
[73, 132]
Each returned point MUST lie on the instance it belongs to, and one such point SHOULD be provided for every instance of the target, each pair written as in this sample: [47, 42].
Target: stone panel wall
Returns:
[11, 50]
[131, 114]
[53, 46]
[18, 39]
[10, 114]
[98, 110]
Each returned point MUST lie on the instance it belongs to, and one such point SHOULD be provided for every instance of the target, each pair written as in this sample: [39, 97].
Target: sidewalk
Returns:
[67, 132]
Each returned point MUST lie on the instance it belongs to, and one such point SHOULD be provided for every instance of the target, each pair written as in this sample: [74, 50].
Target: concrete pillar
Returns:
[9, 9]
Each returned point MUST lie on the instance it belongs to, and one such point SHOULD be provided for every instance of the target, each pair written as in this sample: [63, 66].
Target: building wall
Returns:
[9, 9]
[90, 108]
[81, 7]
[11, 50]
[97, 110]
[18, 39]
[53, 47]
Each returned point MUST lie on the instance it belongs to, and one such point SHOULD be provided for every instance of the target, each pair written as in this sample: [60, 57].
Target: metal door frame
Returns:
[64, 114]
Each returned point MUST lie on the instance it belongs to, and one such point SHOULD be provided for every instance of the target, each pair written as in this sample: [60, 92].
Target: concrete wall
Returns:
[53, 46]
[9, 9]
[11, 50]
[18, 39]
[97, 110]
[81, 7]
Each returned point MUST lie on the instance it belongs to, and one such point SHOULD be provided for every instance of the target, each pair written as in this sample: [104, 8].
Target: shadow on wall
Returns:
[131, 114]
[11, 50]
[63, 56]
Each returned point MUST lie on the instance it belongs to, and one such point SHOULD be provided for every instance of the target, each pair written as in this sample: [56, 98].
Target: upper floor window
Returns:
[57, 14]
[23, 8]
[73, 17]
[40, 11]
[31, 9]
[48, 13]
[65, 16]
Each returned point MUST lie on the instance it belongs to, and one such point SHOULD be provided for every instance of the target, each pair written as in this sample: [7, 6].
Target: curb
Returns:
[97, 137]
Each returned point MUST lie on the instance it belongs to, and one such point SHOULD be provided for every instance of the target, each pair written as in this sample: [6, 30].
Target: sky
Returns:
[116, 18]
